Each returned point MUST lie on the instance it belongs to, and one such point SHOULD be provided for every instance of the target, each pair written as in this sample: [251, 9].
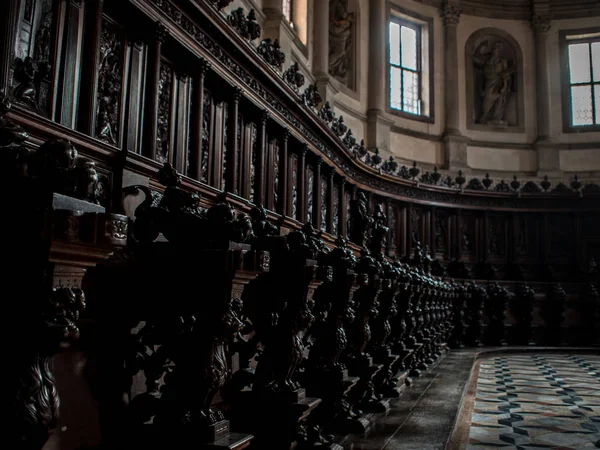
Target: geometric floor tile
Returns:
[537, 401]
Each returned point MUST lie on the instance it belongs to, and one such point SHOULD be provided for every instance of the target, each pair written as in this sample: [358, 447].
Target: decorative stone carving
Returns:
[540, 24]
[450, 15]
[341, 42]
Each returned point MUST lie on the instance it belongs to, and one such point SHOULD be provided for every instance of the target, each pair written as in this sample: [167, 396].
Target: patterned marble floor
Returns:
[535, 401]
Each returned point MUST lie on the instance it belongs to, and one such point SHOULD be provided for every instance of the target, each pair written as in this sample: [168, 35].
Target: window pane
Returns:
[581, 97]
[411, 92]
[579, 63]
[396, 88]
[596, 60]
[409, 48]
[597, 92]
[394, 43]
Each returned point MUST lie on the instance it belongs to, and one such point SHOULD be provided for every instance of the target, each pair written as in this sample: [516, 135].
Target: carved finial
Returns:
[450, 15]
[540, 24]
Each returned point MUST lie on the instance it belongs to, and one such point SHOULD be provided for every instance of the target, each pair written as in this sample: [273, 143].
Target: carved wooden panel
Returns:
[164, 142]
[110, 84]
[207, 123]
[441, 231]
[416, 225]
[293, 186]
[527, 235]
[496, 235]
[310, 181]
[562, 235]
[336, 208]
[324, 202]
[348, 195]
[225, 134]
[32, 72]
[392, 214]
[468, 233]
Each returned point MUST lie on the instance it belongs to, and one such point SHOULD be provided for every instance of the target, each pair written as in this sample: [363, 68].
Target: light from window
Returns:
[405, 76]
[584, 82]
[286, 8]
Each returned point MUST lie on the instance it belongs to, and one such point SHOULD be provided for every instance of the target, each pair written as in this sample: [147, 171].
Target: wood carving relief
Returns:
[109, 84]
[163, 137]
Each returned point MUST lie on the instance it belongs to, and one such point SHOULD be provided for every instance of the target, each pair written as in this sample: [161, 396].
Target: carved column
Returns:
[87, 97]
[378, 127]
[152, 82]
[330, 201]
[260, 158]
[455, 145]
[321, 47]
[546, 146]
[302, 183]
[198, 121]
[232, 141]
[318, 194]
[283, 173]
[9, 22]
[343, 210]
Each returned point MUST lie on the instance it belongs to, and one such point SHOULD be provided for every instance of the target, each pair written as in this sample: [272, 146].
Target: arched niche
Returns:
[343, 42]
[494, 75]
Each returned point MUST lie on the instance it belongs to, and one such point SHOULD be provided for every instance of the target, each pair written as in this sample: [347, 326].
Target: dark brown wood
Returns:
[182, 129]
[150, 128]
[330, 200]
[343, 219]
[232, 141]
[133, 114]
[318, 194]
[71, 71]
[259, 189]
[197, 123]
[86, 121]
[283, 173]
[302, 183]
[9, 22]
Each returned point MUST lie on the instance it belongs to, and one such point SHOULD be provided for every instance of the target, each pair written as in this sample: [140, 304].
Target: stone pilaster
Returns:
[321, 46]
[378, 127]
[545, 144]
[455, 144]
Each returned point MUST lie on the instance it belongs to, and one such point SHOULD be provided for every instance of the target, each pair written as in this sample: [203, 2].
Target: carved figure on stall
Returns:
[340, 40]
[497, 73]
[25, 74]
[379, 231]
[216, 373]
[359, 220]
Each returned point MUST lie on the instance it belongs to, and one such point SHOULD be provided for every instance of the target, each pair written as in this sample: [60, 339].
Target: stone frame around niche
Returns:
[475, 40]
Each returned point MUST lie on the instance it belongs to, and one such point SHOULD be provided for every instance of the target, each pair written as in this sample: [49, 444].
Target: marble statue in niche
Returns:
[341, 42]
[495, 84]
